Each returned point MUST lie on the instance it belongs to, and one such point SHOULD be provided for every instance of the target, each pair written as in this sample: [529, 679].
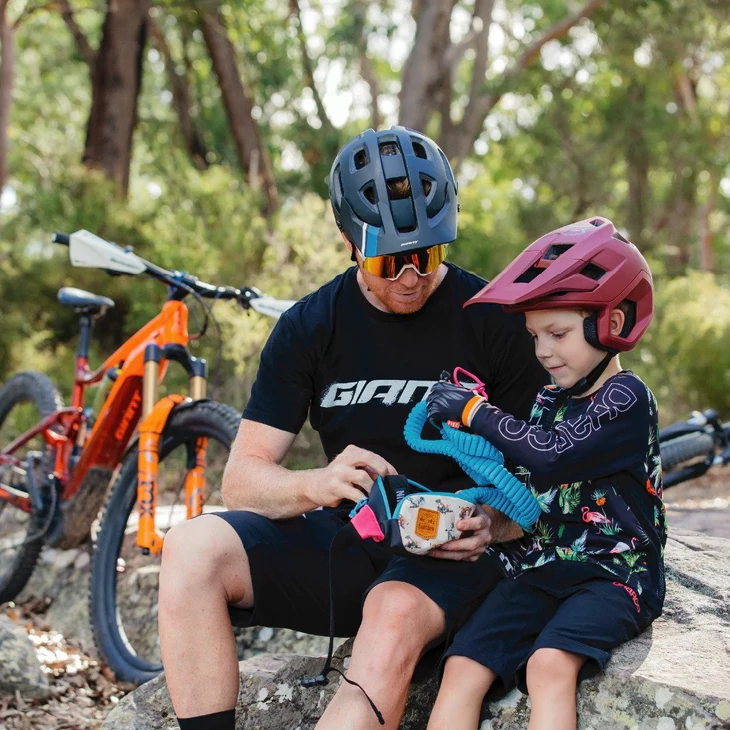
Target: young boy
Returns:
[592, 573]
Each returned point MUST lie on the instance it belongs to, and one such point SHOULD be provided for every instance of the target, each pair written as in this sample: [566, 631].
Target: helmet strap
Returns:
[581, 386]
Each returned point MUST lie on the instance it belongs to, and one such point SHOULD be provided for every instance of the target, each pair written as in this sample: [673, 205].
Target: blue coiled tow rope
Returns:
[482, 462]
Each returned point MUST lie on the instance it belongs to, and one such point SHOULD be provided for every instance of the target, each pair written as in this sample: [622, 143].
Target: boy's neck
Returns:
[613, 368]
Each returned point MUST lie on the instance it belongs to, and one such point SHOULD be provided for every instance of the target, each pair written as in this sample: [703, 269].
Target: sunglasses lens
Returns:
[424, 261]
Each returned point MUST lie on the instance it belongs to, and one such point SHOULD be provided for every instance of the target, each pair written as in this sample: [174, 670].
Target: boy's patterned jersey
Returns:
[598, 478]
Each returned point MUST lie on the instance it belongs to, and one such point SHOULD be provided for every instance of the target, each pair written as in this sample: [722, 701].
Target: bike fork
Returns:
[154, 417]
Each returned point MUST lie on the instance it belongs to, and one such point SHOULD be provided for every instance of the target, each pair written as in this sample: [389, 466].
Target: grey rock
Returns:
[674, 676]
[20, 670]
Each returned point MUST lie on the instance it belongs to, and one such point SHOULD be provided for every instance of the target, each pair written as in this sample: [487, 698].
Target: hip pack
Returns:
[409, 518]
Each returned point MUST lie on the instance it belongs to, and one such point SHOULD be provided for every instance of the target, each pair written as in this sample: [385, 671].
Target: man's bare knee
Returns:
[404, 620]
[205, 555]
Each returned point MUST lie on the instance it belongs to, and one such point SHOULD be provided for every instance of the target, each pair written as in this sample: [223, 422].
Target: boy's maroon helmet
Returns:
[584, 265]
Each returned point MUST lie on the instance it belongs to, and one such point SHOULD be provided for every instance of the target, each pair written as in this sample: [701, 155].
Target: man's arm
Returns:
[254, 479]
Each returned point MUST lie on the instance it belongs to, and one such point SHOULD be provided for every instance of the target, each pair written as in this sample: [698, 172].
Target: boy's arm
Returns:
[610, 436]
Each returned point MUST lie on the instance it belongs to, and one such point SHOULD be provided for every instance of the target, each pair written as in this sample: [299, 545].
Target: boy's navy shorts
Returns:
[557, 606]
[289, 561]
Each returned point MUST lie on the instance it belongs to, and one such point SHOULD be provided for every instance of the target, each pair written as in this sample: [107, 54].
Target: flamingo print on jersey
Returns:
[595, 517]
[622, 547]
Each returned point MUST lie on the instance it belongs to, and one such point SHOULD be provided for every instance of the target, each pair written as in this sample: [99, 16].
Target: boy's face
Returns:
[560, 345]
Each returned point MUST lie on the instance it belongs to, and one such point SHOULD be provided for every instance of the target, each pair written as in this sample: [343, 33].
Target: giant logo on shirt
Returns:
[388, 392]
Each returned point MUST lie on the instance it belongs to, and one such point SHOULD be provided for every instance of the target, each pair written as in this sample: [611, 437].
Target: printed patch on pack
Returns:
[427, 523]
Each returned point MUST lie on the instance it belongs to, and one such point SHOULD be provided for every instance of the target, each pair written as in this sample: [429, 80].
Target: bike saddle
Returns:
[83, 301]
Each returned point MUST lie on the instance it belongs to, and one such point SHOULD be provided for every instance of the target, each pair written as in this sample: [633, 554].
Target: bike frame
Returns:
[142, 362]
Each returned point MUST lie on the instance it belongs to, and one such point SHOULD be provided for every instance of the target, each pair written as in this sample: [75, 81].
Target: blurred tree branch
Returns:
[308, 68]
[7, 63]
[180, 89]
[252, 152]
[85, 49]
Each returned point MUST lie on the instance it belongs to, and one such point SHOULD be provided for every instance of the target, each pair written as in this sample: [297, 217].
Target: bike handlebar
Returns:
[183, 281]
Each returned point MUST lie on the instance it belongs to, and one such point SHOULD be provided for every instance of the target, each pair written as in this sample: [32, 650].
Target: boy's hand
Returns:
[446, 402]
[484, 528]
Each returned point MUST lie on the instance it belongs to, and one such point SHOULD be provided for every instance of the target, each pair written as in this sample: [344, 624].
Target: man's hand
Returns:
[350, 475]
[485, 527]
[446, 402]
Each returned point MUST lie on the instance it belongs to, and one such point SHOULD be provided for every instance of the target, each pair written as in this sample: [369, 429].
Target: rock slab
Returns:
[676, 676]
[20, 670]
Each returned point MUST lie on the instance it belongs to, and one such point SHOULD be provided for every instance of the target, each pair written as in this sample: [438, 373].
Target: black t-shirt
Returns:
[358, 371]
[597, 476]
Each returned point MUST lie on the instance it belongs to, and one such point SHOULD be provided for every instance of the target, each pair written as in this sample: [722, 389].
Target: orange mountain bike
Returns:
[56, 462]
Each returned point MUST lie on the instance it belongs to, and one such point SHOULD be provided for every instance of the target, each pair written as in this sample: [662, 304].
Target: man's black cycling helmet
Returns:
[379, 221]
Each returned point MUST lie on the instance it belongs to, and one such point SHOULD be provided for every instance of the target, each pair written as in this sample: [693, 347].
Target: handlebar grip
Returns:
[63, 238]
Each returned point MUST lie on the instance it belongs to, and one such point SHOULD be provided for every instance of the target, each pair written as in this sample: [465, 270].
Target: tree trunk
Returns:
[707, 259]
[423, 76]
[115, 84]
[191, 132]
[637, 164]
[252, 153]
[7, 61]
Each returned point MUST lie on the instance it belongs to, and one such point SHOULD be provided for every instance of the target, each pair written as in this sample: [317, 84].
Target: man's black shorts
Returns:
[558, 606]
[289, 562]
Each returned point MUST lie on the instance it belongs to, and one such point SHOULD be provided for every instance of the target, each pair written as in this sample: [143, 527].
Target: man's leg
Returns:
[399, 622]
[204, 568]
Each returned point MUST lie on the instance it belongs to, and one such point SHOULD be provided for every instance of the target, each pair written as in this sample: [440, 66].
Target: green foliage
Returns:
[685, 357]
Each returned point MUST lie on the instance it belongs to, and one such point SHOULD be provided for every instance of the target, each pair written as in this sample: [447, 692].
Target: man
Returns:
[355, 355]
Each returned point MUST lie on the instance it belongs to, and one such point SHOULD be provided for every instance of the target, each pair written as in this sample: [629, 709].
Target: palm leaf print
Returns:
[612, 528]
[569, 497]
[542, 560]
[542, 536]
[544, 499]
[576, 551]
[559, 416]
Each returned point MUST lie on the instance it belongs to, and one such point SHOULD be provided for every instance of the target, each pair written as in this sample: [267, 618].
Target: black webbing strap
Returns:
[339, 541]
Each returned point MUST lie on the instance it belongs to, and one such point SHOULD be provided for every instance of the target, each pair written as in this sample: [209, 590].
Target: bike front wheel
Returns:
[124, 583]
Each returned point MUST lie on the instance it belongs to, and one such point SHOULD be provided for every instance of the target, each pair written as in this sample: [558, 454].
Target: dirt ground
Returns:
[702, 505]
[83, 692]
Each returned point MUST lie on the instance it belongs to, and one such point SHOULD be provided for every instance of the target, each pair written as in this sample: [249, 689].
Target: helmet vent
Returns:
[370, 193]
[592, 272]
[388, 148]
[620, 237]
[557, 250]
[527, 276]
[399, 188]
[361, 159]
[419, 150]
[427, 184]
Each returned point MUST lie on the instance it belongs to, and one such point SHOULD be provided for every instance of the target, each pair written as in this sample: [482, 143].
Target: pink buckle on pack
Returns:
[367, 525]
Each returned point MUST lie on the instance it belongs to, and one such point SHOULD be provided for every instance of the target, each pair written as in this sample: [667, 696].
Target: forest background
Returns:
[201, 133]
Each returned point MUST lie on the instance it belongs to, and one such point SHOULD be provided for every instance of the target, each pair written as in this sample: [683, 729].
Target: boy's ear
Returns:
[618, 318]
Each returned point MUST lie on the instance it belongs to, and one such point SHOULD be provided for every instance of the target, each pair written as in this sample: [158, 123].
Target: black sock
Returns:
[225, 720]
